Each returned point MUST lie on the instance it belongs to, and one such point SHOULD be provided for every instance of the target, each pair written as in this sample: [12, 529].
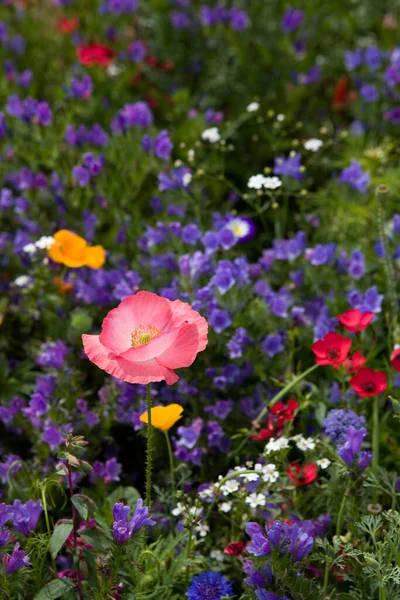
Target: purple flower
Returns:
[53, 354]
[191, 234]
[237, 343]
[352, 445]
[259, 544]
[180, 20]
[43, 114]
[209, 585]
[227, 239]
[136, 115]
[337, 422]
[373, 58]
[17, 560]
[223, 279]
[219, 319]
[321, 254]
[177, 179]
[238, 19]
[355, 177]
[52, 437]
[292, 19]
[354, 59]
[81, 175]
[137, 51]
[163, 145]
[371, 301]
[123, 529]
[273, 344]
[393, 115]
[288, 166]
[369, 93]
[26, 516]
[82, 88]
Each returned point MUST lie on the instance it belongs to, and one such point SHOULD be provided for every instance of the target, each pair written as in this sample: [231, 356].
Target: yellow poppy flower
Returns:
[73, 251]
[164, 417]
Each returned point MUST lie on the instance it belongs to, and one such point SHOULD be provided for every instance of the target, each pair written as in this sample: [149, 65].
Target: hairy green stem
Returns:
[188, 553]
[326, 581]
[271, 403]
[339, 524]
[375, 444]
[149, 465]
[171, 463]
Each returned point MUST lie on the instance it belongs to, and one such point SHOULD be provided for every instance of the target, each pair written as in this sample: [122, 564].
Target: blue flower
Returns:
[209, 585]
[123, 529]
[288, 166]
[355, 177]
[338, 421]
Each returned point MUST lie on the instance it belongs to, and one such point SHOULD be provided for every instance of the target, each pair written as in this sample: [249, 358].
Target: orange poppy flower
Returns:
[72, 250]
[62, 287]
[164, 417]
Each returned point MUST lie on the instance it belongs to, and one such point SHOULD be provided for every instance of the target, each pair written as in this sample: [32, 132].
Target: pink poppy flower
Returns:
[146, 337]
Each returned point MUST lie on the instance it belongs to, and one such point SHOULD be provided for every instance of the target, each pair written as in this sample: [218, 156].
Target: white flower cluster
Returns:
[302, 443]
[211, 135]
[313, 145]
[252, 107]
[195, 512]
[43, 243]
[257, 182]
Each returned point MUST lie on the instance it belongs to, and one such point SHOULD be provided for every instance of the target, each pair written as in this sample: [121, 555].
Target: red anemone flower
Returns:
[354, 320]
[234, 548]
[353, 364]
[300, 475]
[95, 54]
[284, 413]
[266, 433]
[395, 359]
[332, 349]
[368, 382]
[68, 26]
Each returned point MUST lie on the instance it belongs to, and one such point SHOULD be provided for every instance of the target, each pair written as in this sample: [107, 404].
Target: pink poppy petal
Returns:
[181, 312]
[101, 356]
[153, 348]
[146, 372]
[144, 308]
[183, 351]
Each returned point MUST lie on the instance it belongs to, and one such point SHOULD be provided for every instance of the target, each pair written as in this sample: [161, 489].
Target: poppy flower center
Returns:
[369, 387]
[333, 353]
[142, 335]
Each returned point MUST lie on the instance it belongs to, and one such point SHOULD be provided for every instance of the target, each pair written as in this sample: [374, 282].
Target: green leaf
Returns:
[320, 412]
[129, 494]
[58, 538]
[80, 506]
[96, 538]
[55, 589]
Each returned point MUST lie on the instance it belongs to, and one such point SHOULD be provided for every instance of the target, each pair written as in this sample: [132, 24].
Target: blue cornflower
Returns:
[209, 585]
[338, 421]
[355, 177]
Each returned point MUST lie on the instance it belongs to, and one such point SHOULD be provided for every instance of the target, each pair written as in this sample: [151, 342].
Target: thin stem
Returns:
[326, 580]
[75, 524]
[149, 465]
[375, 444]
[188, 553]
[271, 403]
[46, 516]
[171, 463]
[339, 524]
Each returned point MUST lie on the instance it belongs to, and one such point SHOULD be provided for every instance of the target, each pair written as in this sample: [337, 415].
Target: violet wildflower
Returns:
[123, 529]
[81, 88]
[369, 92]
[209, 585]
[81, 175]
[163, 145]
[26, 516]
[52, 437]
[273, 344]
[219, 319]
[354, 59]
[371, 301]
[352, 446]
[337, 422]
[292, 19]
[17, 560]
[355, 177]
[238, 19]
[290, 166]
[137, 51]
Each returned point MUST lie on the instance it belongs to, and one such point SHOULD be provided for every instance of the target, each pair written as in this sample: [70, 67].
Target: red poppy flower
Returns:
[355, 320]
[395, 359]
[368, 382]
[284, 413]
[95, 54]
[68, 26]
[342, 96]
[266, 433]
[353, 364]
[234, 548]
[300, 475]
[332, 349]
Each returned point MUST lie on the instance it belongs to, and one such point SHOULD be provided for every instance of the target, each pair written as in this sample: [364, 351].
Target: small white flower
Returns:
[206, 493]
[249, 464]
[313, 144]
[229, 487]
[255, 500]
[186, 179]
[275, 445]
[253, 106]
[30, 249]
[303, 443]
[239, 226]
[280, 117]
[112, 70]
[22, 281]
[211, 135]
[217, 555]
[323, 463]
[191, 155]
[256, 182]
[269, 472]
[272, 183]
[45, 242]
[250, 477]
[178, 510]
[202, 529]
[225, 507]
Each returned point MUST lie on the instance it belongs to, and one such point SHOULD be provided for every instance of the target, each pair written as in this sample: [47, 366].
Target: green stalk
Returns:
[171, 463]
[375, 444]
[326, 581]
[271, 403]
[149, 465]
[188, 553]
[339, 523]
